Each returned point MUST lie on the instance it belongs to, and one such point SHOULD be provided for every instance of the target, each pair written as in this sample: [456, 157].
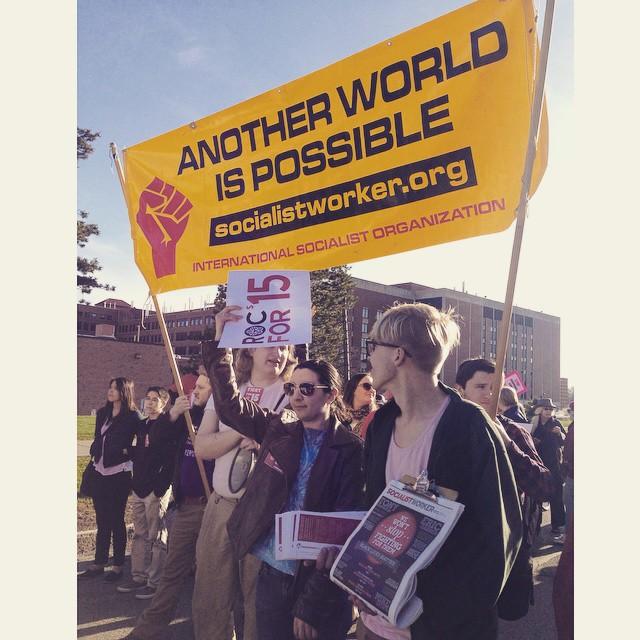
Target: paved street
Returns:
[83, 447]
[104, 614]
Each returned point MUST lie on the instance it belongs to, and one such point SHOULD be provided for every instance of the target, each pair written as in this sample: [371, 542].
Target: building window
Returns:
[365, 312]
[365, 327]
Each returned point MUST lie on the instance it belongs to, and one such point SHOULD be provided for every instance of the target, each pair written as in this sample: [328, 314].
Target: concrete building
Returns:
[564, 393]
[534, 346]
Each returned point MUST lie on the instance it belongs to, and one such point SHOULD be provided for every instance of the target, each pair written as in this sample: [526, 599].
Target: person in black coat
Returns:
[548, 436]
[427, 428]
[153, 462]
[116, 424]
[509, 406]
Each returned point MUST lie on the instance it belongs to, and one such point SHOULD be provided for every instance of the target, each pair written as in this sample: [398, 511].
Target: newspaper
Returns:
[400, 535]
[301, 534]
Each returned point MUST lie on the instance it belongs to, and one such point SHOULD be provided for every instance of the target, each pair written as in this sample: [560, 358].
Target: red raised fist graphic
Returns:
[163, 213]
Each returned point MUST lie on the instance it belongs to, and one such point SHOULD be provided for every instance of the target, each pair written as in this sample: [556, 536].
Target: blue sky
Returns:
[147, 67]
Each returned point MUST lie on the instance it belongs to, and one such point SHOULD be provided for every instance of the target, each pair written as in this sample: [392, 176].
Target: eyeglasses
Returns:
[372, 344]
[367, 386]
[306, 388]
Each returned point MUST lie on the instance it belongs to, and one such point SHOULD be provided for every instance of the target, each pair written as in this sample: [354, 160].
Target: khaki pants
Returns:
[149, 545]
[181, 554]
[220, 578]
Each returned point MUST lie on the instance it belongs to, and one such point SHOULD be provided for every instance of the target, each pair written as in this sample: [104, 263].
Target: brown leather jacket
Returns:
[336, 482]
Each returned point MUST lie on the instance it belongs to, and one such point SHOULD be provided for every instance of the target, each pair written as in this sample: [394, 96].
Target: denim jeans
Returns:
[274, 606]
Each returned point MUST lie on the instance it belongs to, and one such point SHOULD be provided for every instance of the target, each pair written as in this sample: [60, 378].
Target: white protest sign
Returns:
[275, 308]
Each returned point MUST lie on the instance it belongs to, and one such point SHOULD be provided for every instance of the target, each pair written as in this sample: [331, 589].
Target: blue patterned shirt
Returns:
[264, 548]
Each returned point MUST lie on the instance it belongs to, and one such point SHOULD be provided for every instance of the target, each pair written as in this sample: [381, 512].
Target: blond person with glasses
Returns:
[308, 460]
[428, 426]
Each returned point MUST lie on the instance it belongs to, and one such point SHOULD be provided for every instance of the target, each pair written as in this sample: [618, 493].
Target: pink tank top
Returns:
[401, 461]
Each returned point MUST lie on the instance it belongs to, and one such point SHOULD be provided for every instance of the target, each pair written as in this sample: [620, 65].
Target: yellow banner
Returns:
[418, 140]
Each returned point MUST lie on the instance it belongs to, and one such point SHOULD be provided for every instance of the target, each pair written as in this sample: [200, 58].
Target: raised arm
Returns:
[245, 416]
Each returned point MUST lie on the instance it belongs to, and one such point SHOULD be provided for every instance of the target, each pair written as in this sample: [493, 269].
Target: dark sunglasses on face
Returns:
[367, 386]
[372, 344]
[306, 388]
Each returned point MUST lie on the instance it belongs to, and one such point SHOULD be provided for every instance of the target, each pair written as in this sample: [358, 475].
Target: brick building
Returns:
[186, 328]
[101, 359]
[534, 348]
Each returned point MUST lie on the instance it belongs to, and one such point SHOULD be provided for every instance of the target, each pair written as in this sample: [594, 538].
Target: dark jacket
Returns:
[460, 588]
[515, 413]
[533, 479]
[549, 444]
[117, 440]
[335, 483]
[175, 435]
[153, 457]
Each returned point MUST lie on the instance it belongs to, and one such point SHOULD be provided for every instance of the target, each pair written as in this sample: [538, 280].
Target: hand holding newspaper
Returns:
[400, 535]
[300, 535]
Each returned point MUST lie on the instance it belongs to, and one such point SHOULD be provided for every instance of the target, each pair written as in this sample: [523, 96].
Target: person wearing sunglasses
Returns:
[360, 401]
[222, 584]
[428, 427]
[308, 460]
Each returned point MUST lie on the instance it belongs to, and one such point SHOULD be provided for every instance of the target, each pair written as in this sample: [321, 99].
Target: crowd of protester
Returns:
[277, 432]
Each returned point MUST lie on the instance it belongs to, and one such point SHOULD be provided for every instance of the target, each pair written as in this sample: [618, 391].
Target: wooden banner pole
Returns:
[165, 337]
[534, 123]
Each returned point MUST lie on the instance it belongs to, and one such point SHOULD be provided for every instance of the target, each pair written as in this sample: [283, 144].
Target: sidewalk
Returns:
[83, 447]
[105, 614]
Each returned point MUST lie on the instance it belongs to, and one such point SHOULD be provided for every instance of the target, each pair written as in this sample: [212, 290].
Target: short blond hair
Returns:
[427, 333]
[244, 363]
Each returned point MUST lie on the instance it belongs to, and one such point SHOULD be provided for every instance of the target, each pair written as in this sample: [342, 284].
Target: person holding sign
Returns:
[428, 426]
[308, 460]
[189, 504]
[222, 583]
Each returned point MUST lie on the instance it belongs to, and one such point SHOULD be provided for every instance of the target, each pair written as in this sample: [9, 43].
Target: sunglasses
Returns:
[372, 344]
[306, 388]
[367, 386]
